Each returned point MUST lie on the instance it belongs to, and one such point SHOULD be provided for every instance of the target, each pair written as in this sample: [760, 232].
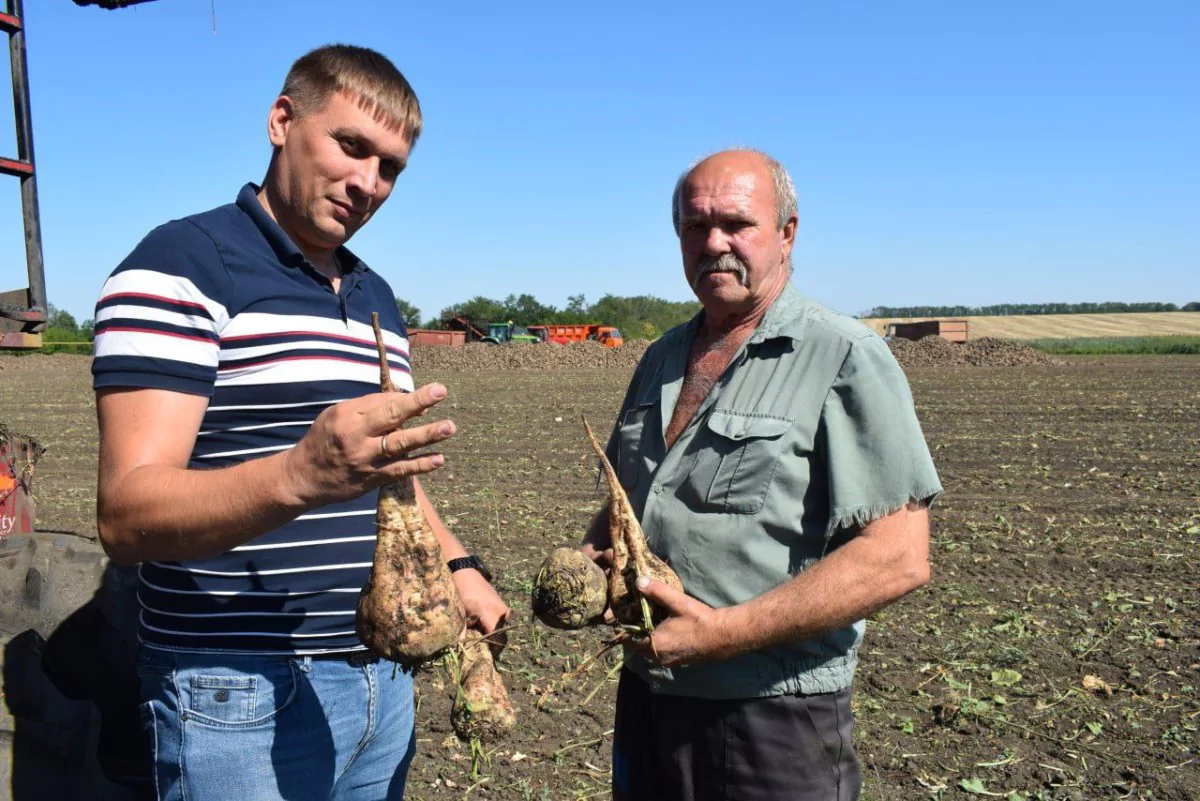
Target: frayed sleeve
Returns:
[876, 455]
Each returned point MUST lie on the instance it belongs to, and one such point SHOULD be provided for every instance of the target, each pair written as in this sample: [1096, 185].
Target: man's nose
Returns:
[717, 241]
[365, 180]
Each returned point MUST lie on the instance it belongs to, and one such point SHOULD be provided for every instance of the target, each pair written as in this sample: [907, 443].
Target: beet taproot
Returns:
[409, 610]
[482, 711]
[632, 557]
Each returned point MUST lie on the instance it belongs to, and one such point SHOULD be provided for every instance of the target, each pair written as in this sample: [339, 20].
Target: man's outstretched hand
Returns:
[342, 455]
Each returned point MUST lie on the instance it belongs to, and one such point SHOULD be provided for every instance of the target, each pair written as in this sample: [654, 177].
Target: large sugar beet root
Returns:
[570, 590]
[631, 555]
[482, 710]
[409, 610]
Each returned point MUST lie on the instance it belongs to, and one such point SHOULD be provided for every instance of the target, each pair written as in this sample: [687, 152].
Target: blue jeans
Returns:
[271, 728]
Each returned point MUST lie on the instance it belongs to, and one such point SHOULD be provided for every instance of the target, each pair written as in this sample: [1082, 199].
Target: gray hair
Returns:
[786, 205]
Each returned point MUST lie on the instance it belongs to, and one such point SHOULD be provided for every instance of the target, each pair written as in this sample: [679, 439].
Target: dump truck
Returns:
[563, 333]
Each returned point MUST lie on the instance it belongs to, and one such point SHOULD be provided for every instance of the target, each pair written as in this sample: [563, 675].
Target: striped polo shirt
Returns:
[223, 304]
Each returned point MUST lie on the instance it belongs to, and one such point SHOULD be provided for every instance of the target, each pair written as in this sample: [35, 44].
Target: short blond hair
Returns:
[365, 75]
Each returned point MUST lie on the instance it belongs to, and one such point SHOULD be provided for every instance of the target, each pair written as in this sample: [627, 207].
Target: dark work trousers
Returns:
[793, 747]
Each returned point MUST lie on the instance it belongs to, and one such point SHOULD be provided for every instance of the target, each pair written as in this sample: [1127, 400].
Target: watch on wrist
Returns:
[472, 561]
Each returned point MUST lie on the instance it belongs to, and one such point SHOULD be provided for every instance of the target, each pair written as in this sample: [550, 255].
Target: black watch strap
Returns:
[463, 562]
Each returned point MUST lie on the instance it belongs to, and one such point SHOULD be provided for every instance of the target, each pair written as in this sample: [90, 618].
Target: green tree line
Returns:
[638, 317]
[61, 327]
[1009, 309]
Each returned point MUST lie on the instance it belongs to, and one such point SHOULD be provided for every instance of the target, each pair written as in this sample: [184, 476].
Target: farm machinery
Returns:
[952, 330]
[499, 333]
[67, 633]
[564, 333]
[491, 333]
[23, 312]
[470, 330]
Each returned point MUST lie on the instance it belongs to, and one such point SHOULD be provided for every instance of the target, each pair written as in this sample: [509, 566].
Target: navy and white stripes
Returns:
[222, 304]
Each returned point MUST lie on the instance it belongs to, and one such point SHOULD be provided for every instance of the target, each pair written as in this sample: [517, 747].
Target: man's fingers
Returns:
[666, 596]
[396, 444]
[390, 410]
[641, 647]
[413, 466]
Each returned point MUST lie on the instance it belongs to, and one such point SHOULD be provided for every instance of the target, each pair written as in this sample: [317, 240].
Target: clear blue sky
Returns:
[944, 152]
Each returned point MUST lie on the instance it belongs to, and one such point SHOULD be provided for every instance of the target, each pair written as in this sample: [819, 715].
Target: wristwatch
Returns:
[464, 562]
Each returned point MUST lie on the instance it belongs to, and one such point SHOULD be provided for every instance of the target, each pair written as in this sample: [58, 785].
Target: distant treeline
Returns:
[65, 334]
[1009, 309]
[638, 317]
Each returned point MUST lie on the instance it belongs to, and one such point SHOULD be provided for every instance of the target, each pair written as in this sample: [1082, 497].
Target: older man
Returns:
[242, 442]
[772, 453]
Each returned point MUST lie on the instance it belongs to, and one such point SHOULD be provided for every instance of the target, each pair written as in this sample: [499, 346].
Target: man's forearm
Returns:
[151, 506]
[866, 574]
[165, 512]
[451, 547]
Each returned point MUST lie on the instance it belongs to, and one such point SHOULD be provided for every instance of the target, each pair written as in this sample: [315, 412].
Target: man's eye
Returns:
[349, 145]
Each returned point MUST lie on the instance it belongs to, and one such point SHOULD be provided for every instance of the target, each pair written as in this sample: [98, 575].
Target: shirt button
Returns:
[221, 696]
[658, 488]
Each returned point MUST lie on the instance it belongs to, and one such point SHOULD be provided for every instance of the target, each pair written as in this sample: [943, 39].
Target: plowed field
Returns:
[1054, 655]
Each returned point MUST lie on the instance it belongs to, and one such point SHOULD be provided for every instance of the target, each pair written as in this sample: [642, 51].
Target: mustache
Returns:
[725, 263]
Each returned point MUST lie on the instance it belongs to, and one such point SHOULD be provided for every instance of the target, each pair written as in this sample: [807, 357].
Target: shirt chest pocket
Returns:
[736, 459]
[629, 444]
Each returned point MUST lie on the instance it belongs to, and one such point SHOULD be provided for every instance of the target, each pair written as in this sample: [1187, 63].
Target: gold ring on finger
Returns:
[383, 447]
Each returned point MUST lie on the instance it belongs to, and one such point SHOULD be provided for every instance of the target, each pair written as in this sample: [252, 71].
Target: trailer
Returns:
[424, 337]
[952, 330]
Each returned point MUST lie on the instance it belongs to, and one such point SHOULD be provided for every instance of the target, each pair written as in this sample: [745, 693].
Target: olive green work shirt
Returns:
[810, 431]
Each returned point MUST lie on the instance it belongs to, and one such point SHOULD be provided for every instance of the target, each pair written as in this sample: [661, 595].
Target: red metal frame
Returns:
[14, 167]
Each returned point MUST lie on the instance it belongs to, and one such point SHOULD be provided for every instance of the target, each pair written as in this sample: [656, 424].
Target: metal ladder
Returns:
[23, 312]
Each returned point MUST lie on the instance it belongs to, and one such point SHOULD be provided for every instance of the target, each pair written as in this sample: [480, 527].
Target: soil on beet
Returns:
[1055, 653]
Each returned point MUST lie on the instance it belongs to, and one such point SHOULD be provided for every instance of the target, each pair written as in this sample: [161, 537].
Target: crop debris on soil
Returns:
[1055, 654]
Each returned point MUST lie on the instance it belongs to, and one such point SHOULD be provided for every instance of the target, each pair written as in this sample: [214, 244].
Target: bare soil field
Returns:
[1068, 326]
[1054, 655]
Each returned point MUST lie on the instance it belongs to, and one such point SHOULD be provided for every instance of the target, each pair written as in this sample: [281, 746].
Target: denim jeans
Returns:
[272, 728]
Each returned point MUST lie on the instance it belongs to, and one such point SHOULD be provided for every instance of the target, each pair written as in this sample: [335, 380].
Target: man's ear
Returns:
[280, 119]
[787, 236]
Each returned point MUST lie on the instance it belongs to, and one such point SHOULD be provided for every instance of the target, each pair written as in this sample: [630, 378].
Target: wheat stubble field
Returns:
[1071, 326]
